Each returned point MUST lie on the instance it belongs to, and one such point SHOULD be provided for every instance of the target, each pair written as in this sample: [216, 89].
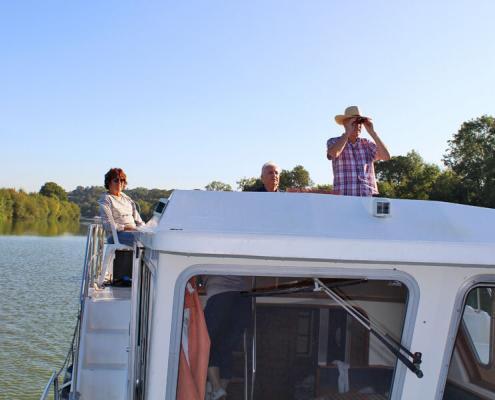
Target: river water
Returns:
[39, 288]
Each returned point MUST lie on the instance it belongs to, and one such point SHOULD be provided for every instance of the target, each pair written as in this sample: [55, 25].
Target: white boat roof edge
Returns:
[323, 227]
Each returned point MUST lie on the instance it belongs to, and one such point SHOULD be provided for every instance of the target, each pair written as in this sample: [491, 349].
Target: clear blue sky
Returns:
[183, 93]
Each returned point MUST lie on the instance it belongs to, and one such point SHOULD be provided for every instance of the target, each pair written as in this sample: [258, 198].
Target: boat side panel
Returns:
[432, 290]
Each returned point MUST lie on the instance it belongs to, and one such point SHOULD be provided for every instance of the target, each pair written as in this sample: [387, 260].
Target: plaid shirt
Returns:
[353, 170]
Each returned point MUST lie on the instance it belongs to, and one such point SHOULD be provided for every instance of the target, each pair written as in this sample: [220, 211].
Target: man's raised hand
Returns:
[368, 124]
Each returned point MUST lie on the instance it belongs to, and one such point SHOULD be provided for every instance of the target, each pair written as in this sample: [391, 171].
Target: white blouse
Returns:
[119, 211]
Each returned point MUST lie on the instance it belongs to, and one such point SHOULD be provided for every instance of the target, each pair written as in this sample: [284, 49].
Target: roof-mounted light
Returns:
[381, 208]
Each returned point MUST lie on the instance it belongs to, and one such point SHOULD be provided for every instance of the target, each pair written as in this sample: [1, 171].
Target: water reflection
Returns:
[43, 228]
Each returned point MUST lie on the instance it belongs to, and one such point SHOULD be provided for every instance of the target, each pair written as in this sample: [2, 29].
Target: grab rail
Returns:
[52, 381]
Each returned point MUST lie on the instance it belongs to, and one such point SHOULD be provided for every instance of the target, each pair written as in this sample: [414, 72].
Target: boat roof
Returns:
[325, 227]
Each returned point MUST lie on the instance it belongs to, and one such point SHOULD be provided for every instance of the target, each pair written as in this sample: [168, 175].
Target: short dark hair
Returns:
[114, 173]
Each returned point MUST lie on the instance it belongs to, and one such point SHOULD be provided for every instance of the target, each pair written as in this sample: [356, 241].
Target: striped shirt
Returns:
[353, 170]
[118, 211]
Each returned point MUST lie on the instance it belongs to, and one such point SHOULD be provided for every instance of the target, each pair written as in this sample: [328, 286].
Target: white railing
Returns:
[91, 270]
[93, 258]
[52, 381]
[92, 267]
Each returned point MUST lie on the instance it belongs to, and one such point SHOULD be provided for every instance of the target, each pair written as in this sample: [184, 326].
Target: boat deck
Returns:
[110, 293]
[103, 362]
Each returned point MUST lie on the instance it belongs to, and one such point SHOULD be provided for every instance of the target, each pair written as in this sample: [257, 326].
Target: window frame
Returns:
[307, 334]
[469, 337]
[143, 293]
[456, 320]
[320, 269]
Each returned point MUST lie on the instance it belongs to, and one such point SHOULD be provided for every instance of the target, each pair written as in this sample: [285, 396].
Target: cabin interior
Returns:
[302, 345]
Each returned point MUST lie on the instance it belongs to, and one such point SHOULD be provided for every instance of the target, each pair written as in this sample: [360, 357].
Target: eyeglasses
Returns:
[117, 180]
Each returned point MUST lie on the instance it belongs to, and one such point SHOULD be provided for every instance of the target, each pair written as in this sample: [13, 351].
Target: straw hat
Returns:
[351, 111]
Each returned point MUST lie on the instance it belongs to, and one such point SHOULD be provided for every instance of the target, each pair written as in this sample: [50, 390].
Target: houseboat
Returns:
[352, 298]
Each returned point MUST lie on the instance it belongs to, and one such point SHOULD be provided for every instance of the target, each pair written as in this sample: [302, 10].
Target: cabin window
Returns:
[291, 341]
[472, 369]
[477, 322]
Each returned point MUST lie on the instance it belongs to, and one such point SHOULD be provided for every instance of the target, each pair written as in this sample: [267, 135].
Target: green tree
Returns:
[448, 187]
[6, 204]
[218, 186]
[87, 199]
[301, 177]
[323, 187]
[406, 177]
[54, 208]
[249, 184]
[298, 178]
[471, 155]
[145, 209]
[147, 199]
[17, 206]
[51, 189]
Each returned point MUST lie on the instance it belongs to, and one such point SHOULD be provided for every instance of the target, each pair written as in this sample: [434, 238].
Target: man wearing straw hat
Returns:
[352, 157]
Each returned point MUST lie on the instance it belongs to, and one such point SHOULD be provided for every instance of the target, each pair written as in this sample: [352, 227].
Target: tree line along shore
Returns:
[468, 178]
[46, 205]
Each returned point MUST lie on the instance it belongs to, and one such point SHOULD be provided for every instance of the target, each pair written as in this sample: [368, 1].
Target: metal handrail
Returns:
[48, 386]
[92, 265]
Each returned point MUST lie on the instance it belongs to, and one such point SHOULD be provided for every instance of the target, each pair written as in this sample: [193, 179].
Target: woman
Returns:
[117, 209]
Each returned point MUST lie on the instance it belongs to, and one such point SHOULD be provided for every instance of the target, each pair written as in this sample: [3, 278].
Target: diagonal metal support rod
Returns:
[391, 344]
[306, 286]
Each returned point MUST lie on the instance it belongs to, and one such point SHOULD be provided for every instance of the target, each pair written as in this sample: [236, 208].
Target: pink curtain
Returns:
[195, 348]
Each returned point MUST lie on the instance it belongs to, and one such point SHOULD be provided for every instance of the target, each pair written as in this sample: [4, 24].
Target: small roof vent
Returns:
[381, 208]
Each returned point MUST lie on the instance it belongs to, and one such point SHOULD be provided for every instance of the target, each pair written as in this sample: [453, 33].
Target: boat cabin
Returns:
[349, 298]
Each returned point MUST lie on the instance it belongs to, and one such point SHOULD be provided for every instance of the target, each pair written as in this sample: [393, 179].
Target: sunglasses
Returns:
[117, 180]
